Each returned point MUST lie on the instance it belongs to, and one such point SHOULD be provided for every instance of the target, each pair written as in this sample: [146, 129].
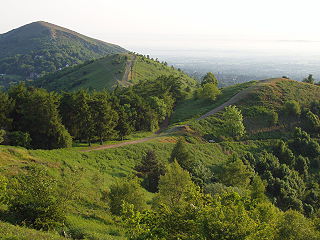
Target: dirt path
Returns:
[234, 99]
[127, 72]
[119, 144]
[231, 101]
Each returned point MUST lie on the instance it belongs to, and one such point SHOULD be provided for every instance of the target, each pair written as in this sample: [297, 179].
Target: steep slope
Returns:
[123, 69]
[41, 47]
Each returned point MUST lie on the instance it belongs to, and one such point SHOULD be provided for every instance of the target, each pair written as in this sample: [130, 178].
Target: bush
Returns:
[34, 200]
[2, 134]
[19, 138]
[292, 108]
[128, 191]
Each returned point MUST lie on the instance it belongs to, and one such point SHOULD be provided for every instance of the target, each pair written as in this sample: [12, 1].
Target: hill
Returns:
[40, 47]
[264, 107]
[250, 188]
[123, 69]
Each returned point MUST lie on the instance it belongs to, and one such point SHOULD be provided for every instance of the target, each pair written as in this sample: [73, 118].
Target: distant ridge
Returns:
[40, 47]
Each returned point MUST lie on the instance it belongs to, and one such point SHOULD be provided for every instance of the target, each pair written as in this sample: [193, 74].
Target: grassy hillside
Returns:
[264, 101]
[194, 108]
[94, 172]
[41, 47]
[108, 72]
[90, 174]
[98, 74]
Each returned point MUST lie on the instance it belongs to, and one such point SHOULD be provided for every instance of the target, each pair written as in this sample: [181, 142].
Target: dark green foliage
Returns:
[34, 200]
[302, 144]
[150, 170]
[182, 156]
[311, 122]
[292, 108]
[284, 184]
[36, 112]
[284, 154]
[6, 106]
[2, 134]
[235, 173]
[19, 138]
[301, 165]
[104, 117]
[128, 191]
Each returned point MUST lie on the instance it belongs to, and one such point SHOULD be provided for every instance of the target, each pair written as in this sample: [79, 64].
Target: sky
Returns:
[175, 24]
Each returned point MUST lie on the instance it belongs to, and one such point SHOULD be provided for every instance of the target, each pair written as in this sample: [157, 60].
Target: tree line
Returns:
[35, 118]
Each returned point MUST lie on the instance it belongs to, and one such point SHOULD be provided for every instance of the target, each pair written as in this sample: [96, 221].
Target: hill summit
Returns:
[40, 47]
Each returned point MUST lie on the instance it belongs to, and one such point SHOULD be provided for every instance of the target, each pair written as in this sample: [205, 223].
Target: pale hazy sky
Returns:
[171, 23]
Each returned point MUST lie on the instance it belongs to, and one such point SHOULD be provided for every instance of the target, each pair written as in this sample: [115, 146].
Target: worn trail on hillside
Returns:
[127, 72]
[231, 101]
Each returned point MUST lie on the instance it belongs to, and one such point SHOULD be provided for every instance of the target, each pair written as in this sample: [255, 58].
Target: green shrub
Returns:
[128, 191]
[19, 138]
[292, 108]
[2, 134]
[34, 200]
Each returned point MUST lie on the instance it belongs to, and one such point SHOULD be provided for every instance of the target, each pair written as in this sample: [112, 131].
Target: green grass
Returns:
[99, 74]
[147, 69]
[95, 171]
[12, 232]
[108, 72]
[257, 104]
[192, 108]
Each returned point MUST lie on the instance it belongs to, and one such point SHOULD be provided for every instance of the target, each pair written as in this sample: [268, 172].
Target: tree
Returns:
[232, 122]
[103, 116]
[294, 226]
[34, 199]
[292, 108]
[124, 125]
[182, 156]
[84, 118]
[128, 191]
[235, 173]
[176, 187]
[309, 79]
[311, 122]
[210, 91]
[36, 112]
[284, 153]
[209, 78]
[19, 138]
[150, 170]
[6, 107]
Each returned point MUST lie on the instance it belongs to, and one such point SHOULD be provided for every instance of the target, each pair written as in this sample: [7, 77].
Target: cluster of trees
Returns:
[33, 117]
[209, 88]
[234, 206]
[262, 196]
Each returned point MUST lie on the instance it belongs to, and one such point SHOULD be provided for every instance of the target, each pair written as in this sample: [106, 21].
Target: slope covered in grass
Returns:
[194, 108]
[108, 72]
[102, 73]
[93, 172]
[263, 108]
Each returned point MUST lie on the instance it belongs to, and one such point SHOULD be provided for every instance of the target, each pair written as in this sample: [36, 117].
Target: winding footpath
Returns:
[231, 101]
